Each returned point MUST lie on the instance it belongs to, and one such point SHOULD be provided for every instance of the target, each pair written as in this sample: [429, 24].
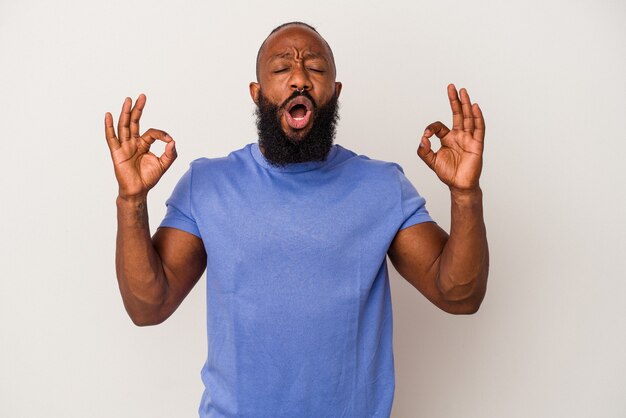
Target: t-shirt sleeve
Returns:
[413, 205]
[179, 213]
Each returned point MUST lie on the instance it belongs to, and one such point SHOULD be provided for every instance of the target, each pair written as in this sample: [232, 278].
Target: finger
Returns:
[169, 155]
[479, 123]
[109, 132]
[437, 128]
[123, 124]
[425, 152]
[135, 115]
[466, 105]
[457, 110]
[152, 135]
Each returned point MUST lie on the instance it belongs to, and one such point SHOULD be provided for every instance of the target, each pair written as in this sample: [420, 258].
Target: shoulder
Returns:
[366, 166]
[234, 161]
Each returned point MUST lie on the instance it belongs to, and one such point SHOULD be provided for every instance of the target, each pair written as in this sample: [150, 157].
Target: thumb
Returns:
[425, 152]
[169, 155]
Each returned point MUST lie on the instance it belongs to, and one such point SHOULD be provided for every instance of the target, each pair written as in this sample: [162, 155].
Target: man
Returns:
[294, 233]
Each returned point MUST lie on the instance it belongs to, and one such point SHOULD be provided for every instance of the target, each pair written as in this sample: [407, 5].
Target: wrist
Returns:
[131, 199]
[466, 195]
[132, 211]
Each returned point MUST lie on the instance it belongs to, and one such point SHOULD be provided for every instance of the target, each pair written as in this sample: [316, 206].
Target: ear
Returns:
[337, 88]
[255, 88]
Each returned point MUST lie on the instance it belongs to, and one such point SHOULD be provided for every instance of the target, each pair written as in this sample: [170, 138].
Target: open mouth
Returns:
[298, 112]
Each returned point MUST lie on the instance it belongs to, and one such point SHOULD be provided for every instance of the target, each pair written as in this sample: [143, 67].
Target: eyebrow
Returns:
[289, 54]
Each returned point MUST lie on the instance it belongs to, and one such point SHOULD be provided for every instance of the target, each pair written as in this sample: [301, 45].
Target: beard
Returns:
[281, 149]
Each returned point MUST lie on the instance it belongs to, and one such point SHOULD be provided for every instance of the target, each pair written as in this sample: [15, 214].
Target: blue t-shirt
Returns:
[299, 316]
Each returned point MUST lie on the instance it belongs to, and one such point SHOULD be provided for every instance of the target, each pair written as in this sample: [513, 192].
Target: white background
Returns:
[550, 338]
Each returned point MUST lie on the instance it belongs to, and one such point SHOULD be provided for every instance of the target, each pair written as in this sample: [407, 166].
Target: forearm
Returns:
[464, 261]
[140, 275]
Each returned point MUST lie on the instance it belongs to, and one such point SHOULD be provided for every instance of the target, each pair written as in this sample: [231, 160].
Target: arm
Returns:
[451, 271]
[154, 274]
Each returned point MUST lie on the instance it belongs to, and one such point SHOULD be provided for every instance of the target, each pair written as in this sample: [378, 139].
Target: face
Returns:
[296, 59]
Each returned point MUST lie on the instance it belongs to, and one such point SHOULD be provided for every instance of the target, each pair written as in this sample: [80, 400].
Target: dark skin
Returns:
[292, 59]
[156, 273]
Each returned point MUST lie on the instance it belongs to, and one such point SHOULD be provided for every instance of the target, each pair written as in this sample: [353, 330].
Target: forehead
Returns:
[294, 39]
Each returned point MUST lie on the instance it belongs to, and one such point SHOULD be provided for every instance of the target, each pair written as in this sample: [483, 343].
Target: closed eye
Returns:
[316, 70]
[280, 70]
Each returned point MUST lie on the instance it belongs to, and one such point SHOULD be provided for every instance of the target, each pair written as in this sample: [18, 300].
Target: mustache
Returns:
[297, 93]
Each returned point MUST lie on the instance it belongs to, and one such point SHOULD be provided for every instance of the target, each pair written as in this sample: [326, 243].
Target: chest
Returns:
[295, 235]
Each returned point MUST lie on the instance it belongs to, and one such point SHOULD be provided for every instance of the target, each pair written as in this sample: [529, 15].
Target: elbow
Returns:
[465, 299]
[469, 308]
[145, 311]
[461, 284]
[142, 321]
[146, 317]
[457, 292]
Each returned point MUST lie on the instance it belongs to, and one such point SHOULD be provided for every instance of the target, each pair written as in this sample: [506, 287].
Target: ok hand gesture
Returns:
[459, 161]
[137, 169]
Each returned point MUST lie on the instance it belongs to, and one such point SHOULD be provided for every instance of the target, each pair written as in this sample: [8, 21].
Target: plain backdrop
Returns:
[550, 337]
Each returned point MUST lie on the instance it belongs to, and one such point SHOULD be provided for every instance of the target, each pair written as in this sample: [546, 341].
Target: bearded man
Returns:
[294, 232]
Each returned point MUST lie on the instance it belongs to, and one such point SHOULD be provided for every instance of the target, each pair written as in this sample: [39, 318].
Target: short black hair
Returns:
[279, 27]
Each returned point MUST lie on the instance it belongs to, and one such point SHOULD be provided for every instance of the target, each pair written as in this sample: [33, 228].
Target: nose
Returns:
[300, 79]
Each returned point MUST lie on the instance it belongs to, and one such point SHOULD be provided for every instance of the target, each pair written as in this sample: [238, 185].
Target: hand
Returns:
[459, 161]
[137, 169]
